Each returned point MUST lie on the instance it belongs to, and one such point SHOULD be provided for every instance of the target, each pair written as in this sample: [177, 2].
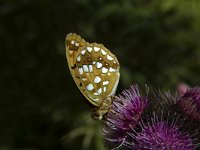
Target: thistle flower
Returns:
[162, 135]
[124, 115]
[190, 103]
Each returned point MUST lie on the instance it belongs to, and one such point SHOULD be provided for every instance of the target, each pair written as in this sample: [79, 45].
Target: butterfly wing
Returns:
[73, 42]
[94, 68]
[98, 71]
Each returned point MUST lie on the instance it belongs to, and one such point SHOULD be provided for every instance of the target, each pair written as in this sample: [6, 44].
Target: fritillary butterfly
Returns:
[95, 71]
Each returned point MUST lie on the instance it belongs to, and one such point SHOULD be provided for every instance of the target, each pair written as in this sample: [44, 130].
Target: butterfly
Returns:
[95, 71]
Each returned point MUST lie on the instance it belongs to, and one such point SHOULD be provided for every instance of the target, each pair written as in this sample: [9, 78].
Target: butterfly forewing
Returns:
[98, 71]
[73, 43]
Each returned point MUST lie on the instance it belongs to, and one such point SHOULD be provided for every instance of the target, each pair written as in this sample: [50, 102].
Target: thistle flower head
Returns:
[162, 135]
[124, 115]
[190, 103]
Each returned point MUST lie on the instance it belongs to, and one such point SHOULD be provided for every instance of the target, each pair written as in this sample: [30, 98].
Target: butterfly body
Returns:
[95, 71]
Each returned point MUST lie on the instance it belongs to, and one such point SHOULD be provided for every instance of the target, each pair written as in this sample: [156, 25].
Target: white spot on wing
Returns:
[105, 82]
[84, 79]
[72, 42]
[99, 91]
[83, 52]
[94, 62]
[96, 49]
[104, 89]
[96, 93]
[97, 79]
[77, 44]
[103, 52]
[99, 65]
[90, 68]
[78, 58]
[85, 68]
[112, 70]
[104, 70]
[90, 87]
[109, 57]
[89, 49]
[80, 70]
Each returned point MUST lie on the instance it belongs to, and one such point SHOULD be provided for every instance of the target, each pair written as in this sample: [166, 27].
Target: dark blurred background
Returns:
[156, 42]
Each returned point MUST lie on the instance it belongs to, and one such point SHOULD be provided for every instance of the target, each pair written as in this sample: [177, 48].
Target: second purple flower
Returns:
[124, 115]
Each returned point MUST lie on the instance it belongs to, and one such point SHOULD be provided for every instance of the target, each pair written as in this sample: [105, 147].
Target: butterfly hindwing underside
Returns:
[94, 69]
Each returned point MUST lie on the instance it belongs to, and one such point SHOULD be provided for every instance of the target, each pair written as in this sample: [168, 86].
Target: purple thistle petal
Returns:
[125, 113]
[162, 135]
